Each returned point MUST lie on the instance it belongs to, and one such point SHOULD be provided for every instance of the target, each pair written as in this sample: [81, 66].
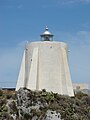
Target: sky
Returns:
[25, 20]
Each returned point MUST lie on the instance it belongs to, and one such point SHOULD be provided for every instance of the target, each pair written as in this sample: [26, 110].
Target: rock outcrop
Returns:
[42, 105]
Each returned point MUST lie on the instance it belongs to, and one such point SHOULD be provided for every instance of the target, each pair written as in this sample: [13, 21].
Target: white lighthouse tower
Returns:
[45, 66]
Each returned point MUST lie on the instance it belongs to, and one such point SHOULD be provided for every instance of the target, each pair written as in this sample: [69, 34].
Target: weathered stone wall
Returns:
[46, 67]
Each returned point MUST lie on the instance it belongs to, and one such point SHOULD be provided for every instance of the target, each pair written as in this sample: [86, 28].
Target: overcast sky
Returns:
[25, 20]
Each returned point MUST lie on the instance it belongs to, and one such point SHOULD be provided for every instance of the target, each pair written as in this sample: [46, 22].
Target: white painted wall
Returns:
[46, 67]
[21, 77]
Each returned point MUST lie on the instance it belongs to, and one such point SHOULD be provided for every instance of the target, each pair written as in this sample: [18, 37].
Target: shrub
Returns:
[79, 95]
[1, 92]
[27, 116]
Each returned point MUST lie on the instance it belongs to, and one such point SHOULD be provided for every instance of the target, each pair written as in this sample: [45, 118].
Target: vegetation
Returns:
[26, 104]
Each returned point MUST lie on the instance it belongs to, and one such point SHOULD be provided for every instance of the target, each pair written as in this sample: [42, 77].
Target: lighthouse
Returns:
[45, 66]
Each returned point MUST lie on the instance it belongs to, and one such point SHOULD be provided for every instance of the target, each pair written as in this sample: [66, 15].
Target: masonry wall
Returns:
[46, 67]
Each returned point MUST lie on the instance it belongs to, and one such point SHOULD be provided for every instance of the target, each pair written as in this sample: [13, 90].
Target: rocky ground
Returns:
[32, 105]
